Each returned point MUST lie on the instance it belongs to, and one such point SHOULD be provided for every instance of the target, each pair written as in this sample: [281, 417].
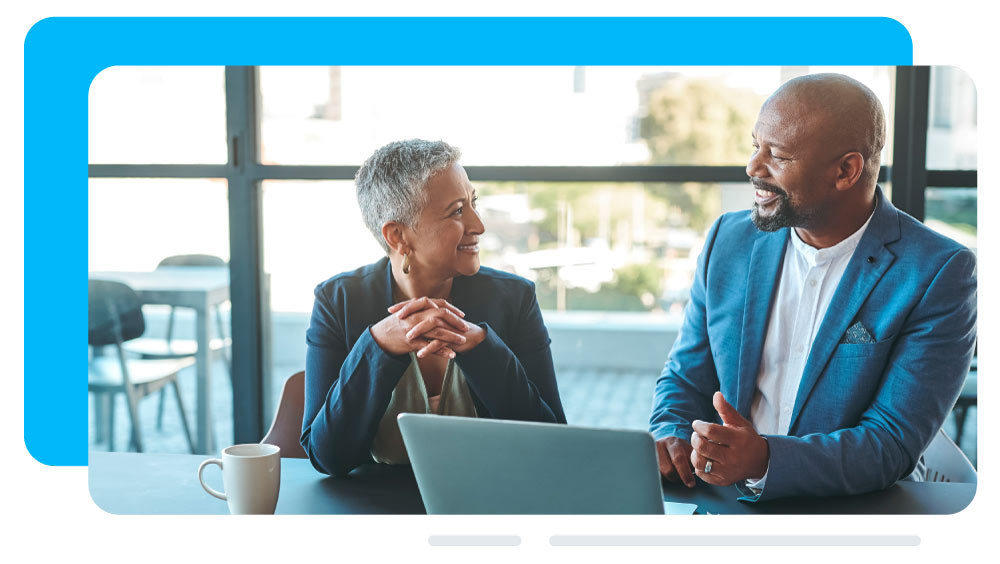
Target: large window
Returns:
[598, 183]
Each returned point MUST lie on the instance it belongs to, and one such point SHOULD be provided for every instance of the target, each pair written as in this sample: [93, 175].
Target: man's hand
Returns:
[674, 455]
[735, 449]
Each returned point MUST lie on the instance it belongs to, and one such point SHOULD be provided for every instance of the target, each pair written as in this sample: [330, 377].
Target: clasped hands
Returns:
[426, 326]
[735, 449]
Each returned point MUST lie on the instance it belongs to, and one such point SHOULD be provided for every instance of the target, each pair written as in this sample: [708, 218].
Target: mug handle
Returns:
[218, 463]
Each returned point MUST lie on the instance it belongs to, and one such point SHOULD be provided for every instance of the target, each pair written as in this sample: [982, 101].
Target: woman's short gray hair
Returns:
[391, 182]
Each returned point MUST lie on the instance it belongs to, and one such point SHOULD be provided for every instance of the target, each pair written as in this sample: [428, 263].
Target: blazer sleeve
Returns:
[924, 376]
[684, 390]
[346, 392]
[516, 379]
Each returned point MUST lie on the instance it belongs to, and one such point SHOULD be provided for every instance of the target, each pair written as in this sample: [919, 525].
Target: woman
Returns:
[425, 329]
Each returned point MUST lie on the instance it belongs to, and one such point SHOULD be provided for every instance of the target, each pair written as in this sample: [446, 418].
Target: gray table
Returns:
[197, 287]
[129, 483]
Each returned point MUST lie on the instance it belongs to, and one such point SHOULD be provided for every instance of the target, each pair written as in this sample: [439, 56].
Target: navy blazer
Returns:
[350, 379]
[864, 412]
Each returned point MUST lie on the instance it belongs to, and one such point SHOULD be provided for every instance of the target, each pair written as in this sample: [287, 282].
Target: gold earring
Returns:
[406, 263]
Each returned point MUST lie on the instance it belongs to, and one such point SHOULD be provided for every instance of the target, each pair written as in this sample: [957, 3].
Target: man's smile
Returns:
[765, 197]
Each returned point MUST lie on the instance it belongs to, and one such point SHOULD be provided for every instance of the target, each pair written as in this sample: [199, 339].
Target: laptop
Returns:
[465, 465]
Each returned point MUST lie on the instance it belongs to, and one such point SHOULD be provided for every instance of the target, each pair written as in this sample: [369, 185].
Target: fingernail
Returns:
[451, 354]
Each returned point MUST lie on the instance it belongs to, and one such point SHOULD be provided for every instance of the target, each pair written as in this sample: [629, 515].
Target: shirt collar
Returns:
[815, 256]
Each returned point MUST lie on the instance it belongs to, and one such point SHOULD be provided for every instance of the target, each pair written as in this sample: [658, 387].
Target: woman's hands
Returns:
[427, 326]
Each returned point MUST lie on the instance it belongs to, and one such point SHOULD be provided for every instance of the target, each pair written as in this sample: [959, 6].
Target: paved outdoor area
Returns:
[590, 398]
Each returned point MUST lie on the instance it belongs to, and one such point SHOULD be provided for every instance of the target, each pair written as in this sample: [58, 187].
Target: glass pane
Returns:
[157, 115]
[952, 131]
[312, 231]
[527, 115]
[133, 224]
[612, 247]
[136, 222]
[952, 212]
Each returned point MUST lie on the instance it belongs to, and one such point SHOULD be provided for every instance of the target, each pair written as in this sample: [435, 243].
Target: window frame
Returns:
[252, 405]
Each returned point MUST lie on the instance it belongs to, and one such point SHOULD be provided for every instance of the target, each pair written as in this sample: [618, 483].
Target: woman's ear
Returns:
[392, 232]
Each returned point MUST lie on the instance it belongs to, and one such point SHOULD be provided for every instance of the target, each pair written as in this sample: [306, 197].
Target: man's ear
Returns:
[392, 232]
[849, 170]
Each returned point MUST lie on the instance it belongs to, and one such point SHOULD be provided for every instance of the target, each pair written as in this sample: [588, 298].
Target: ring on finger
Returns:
[708, 467]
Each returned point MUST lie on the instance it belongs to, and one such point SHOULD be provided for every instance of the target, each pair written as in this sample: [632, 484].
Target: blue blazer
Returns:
[864, 413]
[350, 379]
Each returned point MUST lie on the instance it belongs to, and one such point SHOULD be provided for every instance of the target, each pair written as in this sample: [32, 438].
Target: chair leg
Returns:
[226, 354]
[134, 416]
[159, 409]
[111, 420]
[100, 417]
[184, 421]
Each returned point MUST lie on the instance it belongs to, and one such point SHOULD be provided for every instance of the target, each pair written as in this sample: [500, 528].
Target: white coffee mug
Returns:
[251, 476]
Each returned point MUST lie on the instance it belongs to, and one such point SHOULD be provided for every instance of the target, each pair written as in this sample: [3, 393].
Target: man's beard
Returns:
[784, 215]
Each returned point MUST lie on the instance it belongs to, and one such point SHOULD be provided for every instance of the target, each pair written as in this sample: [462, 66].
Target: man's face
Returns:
[790, 168]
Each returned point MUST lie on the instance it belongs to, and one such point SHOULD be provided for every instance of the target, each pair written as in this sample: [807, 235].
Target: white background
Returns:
[47, 511]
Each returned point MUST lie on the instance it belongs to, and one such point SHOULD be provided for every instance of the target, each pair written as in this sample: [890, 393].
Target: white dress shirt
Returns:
[809, 278]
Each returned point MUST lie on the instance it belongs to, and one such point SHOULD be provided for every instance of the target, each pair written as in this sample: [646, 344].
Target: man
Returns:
[828, 334]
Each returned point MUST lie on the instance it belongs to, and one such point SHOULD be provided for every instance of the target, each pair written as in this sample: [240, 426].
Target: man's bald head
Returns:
[845, 112]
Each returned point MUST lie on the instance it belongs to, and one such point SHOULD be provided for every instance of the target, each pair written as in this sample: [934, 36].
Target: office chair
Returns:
[287, 425]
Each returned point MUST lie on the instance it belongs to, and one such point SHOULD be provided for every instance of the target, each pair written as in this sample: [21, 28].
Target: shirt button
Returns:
[799, 348]
[787, 409]
[812, 283]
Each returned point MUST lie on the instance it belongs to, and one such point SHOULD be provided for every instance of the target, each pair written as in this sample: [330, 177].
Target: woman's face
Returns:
[446, 241]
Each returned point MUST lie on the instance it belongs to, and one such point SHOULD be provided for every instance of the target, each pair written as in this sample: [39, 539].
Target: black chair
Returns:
[171, 348]
[115, 317]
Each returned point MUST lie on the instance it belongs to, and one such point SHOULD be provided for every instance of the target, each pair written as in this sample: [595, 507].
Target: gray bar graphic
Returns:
[474, 540]
[734, 540]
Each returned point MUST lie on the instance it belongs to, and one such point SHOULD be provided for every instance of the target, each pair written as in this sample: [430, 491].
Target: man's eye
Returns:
[777, 158]
[474, 200]
[457, 212]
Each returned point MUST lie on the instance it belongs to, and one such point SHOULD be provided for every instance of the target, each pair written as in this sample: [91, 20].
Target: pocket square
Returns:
[856, 335]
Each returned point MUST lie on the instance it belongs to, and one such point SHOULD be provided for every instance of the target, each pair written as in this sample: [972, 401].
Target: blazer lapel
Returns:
[856, 284]
[762, 282]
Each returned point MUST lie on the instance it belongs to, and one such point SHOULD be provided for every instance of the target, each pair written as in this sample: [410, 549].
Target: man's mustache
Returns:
[761, 185]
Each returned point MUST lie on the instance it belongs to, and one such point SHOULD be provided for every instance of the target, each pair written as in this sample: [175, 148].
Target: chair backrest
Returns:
[287, 425]
[114, 313]
[192, 260]
[945, 462]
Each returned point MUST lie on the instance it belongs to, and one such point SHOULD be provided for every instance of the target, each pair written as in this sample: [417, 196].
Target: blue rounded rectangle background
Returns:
[63, 55]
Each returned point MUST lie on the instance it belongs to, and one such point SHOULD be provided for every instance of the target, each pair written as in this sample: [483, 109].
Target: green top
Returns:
[410, 396]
